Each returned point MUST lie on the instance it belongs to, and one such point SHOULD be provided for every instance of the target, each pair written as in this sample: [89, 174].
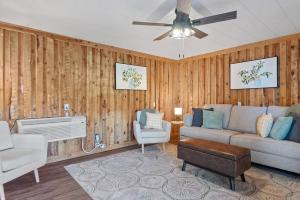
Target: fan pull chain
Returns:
[182, 49]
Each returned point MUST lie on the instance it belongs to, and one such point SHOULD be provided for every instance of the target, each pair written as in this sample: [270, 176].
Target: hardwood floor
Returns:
[55, 181]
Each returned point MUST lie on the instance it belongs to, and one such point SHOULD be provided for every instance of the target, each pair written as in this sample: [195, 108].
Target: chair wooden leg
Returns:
[36, 175]
[164, 146]
[143, 149]
[2, 195]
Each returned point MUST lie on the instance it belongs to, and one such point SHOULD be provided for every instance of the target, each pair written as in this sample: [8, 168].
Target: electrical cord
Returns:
[84, 150]
[13, 125]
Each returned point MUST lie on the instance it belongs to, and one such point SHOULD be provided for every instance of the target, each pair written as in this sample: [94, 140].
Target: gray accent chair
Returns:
[20, 154]
[241, 131]
[151, 136]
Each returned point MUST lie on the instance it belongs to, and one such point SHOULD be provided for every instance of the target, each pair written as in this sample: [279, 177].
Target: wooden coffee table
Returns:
[225, 159]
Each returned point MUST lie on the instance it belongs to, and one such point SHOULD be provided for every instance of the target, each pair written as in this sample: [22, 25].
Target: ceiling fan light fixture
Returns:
[181, 33]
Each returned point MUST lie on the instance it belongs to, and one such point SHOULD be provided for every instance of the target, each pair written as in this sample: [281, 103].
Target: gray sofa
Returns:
[239, 128]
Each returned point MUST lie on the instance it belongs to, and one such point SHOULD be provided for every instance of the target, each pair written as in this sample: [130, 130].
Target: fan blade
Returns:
[150, 24]
[199, 34]
[162, 36]
[200, 8]
[184, 6]
[215, 18]
[162, 10]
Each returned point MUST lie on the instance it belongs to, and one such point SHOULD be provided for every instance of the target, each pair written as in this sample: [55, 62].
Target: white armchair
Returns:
[151, 136]
[20, 154]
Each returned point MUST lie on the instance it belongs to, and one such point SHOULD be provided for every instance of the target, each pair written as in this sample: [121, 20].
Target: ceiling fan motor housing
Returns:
[182, 20]
[182, 26]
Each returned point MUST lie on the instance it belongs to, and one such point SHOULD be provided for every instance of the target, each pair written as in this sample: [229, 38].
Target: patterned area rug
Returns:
[157, 175]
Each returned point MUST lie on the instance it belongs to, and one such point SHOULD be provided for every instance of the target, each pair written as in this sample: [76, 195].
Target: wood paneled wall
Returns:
[39, 72]
[205, 78]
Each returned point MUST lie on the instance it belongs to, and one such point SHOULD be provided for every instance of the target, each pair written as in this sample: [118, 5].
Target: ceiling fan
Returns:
[183, 26]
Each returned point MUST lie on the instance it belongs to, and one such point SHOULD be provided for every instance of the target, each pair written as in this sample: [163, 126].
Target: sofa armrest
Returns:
[30, 141]
[167, 128]
[137, 130]
[188, 119]
[1, 170]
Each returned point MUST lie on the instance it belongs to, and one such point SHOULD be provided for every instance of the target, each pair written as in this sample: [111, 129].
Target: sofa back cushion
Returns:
[225, 108]
[277, 111]
[243, 118]
[5, 138]
[188, 119]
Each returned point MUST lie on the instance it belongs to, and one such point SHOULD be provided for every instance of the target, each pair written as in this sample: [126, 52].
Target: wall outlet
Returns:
[239, 103]
[66, 107]
[98, 143]
[97, 139]
[102, 146]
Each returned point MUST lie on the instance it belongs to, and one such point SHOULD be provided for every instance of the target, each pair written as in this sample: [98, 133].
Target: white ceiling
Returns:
[109, 22]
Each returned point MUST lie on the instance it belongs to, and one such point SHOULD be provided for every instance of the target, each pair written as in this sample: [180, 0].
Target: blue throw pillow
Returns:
[198, 116]
[281, 128]
[213, 119]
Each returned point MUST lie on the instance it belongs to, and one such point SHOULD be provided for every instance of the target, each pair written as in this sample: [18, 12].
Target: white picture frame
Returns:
[255, 74]
[131, 77]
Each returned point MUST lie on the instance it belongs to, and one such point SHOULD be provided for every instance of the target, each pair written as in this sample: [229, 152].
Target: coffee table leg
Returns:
[183, 166]
[243, 177]
[232, 183]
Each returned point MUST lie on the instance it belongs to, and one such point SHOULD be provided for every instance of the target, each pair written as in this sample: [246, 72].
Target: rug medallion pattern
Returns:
[157, 175]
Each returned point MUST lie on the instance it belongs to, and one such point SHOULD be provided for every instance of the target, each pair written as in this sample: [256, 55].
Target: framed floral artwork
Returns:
[131, 77]
[261, 73]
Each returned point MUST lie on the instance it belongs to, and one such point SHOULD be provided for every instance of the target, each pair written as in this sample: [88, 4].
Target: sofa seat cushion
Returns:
[16, 158]
[153, 133]
[267, 145]
[217, 135]
[243, 118]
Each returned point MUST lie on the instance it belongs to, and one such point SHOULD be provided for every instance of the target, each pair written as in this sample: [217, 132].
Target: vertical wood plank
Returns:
[207, 99]
[40, 76]
[294, 72]
[213, 80]
[33, 70]
[14, 73]
[283, 70]
[226, 79]
[2, 50]
[7, 76]
[27, 80]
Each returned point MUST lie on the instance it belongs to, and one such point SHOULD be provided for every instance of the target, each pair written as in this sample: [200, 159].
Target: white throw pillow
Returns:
[154, 120]
[264, 125]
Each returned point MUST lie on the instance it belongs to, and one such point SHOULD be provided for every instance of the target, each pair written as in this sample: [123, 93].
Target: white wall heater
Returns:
[56, 128]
